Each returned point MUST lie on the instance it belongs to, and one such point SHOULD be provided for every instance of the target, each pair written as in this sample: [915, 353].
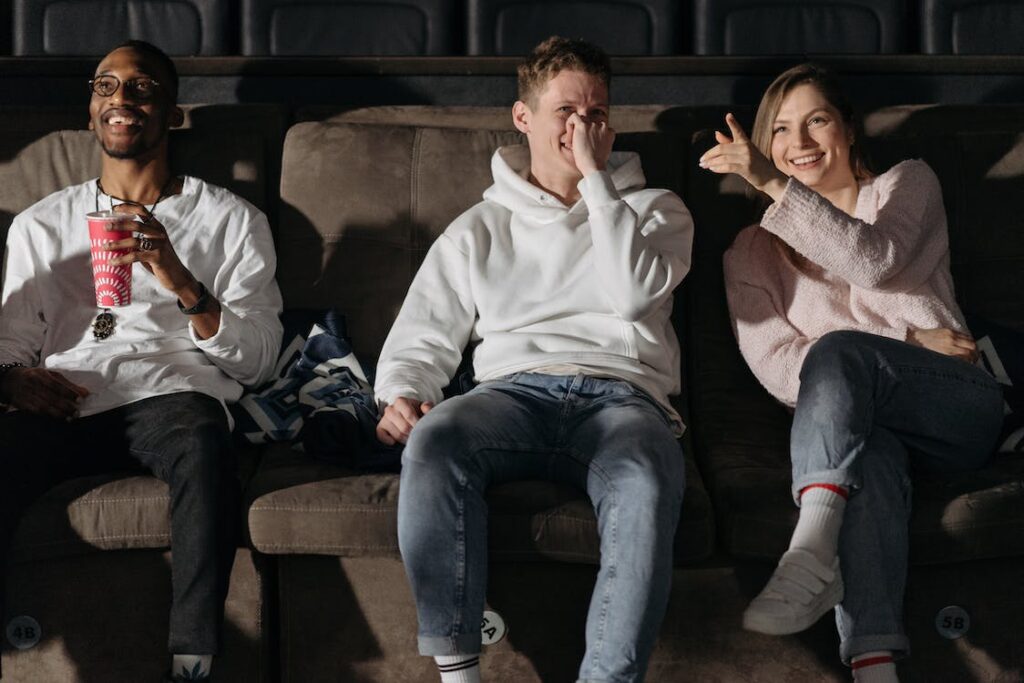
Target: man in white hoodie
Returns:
[563, 277]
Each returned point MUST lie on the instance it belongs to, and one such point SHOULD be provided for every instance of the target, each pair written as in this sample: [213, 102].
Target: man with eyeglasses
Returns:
[142, 385]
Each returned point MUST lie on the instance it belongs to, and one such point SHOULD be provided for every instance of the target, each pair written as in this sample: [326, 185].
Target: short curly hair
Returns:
[557, 54]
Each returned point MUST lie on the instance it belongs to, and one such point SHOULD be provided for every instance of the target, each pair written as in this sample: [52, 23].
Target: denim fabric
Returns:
[183, 439]
[604, 436]
[870, 409]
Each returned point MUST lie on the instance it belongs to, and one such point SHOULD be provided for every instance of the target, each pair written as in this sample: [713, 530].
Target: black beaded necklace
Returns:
[105, 322]
[164, 193]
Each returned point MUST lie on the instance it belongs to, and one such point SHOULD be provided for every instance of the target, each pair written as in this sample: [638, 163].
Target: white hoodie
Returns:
[539, 284]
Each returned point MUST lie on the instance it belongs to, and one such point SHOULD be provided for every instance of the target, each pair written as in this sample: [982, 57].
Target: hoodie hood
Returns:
[510, 167]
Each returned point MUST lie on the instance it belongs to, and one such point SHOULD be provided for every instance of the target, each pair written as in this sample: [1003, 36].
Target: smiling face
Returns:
[543, 120]
[126, 126]
[811, 142]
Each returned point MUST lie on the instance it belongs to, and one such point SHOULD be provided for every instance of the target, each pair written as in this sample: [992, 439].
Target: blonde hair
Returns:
[828, 85]
[557, 54]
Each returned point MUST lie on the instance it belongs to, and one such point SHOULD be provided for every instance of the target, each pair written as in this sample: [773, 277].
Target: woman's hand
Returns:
[947, 341]
[739, 155]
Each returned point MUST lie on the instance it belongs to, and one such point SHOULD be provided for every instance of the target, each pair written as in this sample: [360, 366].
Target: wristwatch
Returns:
[201, 303]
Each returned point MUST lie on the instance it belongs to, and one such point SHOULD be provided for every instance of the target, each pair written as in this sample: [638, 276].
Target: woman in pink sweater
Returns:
[842, 304]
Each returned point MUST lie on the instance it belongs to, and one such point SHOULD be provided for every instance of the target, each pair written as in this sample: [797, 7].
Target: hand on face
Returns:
[399, 419]
[946, 341]
[42, 391]
[590, 142]
[737, 154]
[153, 250]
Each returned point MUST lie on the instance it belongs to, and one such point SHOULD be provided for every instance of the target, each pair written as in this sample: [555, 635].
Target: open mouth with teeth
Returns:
[807, 160]
[121, 121]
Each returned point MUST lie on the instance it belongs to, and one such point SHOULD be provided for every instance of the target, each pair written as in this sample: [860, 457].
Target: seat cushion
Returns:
[107, 512]
[300, 506]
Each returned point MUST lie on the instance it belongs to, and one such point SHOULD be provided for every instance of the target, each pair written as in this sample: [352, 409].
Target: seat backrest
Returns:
[364, 195]
[92, 27]
[766, 27]
[972, 27]
[620, 27]
[348, 27]
[237, 147]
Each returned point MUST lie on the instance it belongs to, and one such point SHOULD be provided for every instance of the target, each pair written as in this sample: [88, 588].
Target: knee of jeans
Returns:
[436, 433]
[202, 451]
[837, 351]
[640, 485]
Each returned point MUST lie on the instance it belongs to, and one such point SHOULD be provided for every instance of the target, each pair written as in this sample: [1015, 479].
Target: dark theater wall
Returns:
[873, 81]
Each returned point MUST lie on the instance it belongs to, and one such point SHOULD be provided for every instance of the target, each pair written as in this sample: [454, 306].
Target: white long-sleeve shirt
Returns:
[540, 284]
[49, 303]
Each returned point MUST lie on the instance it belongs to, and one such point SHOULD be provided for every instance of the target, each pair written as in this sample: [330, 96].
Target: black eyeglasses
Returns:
[142, 88]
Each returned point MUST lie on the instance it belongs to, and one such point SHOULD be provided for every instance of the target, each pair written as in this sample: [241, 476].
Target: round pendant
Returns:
[103, 325]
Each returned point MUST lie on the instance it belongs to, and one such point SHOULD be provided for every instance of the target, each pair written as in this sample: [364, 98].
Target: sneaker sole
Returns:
[783, 626]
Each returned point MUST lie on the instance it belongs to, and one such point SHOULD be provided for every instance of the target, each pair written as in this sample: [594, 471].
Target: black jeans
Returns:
[184, 440]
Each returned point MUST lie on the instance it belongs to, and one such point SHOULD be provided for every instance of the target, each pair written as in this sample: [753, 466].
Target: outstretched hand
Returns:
[399, 418]
[737, 154]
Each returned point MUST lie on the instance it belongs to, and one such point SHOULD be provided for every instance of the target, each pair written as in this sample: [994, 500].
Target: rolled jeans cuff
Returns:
[462, 644]
[842, 477]
[897, 643]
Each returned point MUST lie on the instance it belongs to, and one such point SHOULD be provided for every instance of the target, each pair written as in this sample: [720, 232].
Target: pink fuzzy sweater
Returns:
[884, 270]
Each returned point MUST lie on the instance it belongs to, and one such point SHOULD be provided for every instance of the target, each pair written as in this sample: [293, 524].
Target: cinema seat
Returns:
[623, 27]
[780, 27]
[972, 27]
[347, 27]
[92, 27]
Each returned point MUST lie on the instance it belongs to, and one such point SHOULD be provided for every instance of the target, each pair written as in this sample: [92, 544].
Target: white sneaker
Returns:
[800, 591]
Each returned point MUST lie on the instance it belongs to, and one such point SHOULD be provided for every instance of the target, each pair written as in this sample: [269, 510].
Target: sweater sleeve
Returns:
[249, 339]
[641, 258]
[900, 249]
[773, 348]
[425, 344]
[22, 325]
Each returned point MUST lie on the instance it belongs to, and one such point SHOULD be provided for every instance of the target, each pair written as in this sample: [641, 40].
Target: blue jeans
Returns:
[869, 407]
[603, 436]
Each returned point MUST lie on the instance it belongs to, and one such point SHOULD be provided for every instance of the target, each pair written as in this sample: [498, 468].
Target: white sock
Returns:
[191, 667]
[874, 667]
[459, 668]
[821, 517]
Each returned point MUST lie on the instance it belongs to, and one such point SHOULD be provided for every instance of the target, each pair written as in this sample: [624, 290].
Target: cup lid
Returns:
[108, 216]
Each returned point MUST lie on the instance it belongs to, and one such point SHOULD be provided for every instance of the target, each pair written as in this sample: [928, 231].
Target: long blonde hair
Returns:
[828, 85]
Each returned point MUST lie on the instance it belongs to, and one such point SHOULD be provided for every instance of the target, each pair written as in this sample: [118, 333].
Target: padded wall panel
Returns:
[772, 27]
[623, 27]
[347, 27]
[92, 27]
[972, 27]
